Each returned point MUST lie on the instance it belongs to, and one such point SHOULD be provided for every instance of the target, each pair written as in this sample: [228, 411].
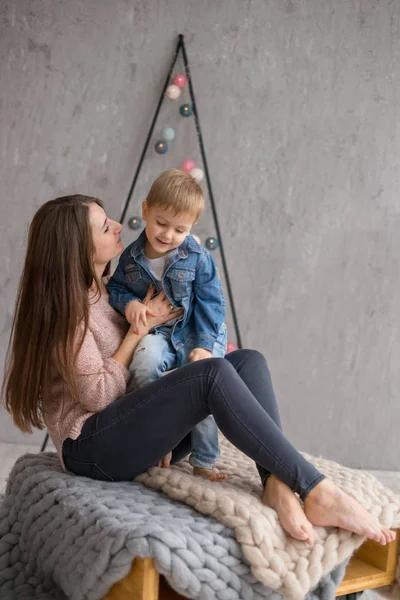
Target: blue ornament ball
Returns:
[168, 134]
[135, 223]
[186, 110]
[212, 243]
[161, 147]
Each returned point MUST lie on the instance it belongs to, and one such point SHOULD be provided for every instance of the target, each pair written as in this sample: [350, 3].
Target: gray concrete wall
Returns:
[299, 102]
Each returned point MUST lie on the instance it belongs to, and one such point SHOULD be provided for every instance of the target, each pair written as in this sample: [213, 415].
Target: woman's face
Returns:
[106, 240]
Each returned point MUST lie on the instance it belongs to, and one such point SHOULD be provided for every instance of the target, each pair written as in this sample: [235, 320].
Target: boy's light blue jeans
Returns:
[154, 356]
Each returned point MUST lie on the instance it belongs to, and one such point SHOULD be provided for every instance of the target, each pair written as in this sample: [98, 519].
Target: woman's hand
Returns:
[160, 307]
[162, 310]
[137, 313]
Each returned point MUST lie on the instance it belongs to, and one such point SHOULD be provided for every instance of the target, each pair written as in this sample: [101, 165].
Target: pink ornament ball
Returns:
[173, 92]
[188, 165]
[231, 347]
[180, 80]
[197, 174]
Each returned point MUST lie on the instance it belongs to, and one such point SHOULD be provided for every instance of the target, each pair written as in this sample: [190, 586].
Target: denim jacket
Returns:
[190, 280]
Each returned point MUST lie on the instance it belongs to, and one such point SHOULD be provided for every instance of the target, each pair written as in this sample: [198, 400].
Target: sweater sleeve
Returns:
[100, 380]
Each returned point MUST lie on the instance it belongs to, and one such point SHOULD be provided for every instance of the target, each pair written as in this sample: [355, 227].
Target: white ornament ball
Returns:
[173, 92]
[196, 237]
[168, 134]
[197, 174]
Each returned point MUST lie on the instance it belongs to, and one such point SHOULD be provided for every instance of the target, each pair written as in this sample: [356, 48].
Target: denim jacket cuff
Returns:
[126, 302]
[206, 341]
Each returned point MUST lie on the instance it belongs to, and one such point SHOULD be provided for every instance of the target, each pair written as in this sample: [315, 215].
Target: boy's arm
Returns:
[209, 308]
[119, 293]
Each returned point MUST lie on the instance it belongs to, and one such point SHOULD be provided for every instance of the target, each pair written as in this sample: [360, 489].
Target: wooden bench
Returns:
[372, 566]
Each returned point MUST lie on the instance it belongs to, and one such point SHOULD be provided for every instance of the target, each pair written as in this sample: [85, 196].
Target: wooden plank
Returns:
[141, 583]
[372, 566]
[381, 557]
[362, 576]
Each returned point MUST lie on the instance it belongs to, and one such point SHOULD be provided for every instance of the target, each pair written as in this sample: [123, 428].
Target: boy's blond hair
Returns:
[177, 191]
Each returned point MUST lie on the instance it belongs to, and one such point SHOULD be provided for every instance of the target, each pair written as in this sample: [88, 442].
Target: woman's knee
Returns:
[221, 367]
[247, 355]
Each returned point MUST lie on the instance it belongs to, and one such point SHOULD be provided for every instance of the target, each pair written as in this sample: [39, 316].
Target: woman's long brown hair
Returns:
[52, 300]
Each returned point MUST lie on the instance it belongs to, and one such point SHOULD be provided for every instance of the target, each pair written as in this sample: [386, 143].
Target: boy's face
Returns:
[165, 230]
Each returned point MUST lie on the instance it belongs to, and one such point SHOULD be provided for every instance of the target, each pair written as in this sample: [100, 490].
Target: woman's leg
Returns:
[133, 433]
[324, 502]
[136, 431]
[253, 370]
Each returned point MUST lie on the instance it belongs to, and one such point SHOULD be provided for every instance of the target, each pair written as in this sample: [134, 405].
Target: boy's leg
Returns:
[254, 385]
[153, 356]
[205, 445]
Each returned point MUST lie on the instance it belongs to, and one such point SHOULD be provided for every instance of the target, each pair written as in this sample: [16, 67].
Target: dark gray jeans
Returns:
[133, 433]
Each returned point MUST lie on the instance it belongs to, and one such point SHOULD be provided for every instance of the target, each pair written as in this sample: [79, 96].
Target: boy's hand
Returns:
[136, 314]
[199, 354]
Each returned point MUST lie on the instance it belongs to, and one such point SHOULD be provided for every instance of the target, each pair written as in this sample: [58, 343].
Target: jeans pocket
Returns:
[86, 469]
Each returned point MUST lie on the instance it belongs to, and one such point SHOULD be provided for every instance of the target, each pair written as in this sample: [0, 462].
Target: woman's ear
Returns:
[145, 210]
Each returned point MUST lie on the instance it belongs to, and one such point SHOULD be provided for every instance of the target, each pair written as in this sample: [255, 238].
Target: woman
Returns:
[67, 369]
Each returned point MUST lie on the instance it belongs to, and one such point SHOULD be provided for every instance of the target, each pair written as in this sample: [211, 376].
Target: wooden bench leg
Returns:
[141, 583]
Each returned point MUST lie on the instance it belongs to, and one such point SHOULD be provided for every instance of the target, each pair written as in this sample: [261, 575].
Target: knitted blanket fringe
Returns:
[281, 563]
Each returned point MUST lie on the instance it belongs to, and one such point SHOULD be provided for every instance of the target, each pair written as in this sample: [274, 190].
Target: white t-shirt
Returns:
[155, 266]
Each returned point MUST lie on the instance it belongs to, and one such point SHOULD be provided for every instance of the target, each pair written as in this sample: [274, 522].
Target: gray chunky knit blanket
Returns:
[63, 537]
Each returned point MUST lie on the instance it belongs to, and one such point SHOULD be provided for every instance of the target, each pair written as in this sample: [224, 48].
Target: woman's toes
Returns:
[389, 535]
[385, 539]
[309, 534]
[385, 536]
[300, 534]
[382, 539]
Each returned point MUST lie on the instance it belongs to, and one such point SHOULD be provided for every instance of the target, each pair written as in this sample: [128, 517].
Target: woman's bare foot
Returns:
[328, 506]
[210, 474]
[280, 497]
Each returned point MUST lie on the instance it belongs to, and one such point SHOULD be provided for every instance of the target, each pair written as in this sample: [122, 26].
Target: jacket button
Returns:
[181, 275]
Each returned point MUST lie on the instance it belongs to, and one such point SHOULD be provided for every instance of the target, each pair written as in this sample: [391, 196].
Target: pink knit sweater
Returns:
[101, 379]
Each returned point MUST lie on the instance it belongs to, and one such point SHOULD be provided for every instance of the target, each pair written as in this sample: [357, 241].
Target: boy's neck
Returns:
[149, 251]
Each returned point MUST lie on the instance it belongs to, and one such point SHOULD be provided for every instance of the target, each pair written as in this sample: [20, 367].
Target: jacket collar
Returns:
[188, 245]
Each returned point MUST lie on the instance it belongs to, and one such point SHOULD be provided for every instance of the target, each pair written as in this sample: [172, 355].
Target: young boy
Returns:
[167, 256]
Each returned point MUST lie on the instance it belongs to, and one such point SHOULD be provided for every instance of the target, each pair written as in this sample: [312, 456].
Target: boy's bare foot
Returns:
[280, 497]
[210, 474]
[328, 506]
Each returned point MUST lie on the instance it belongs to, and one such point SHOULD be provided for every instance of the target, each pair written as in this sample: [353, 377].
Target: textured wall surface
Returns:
[299, 103]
